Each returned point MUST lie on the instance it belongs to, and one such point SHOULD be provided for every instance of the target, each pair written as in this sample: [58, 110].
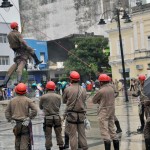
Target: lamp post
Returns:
[117, 19]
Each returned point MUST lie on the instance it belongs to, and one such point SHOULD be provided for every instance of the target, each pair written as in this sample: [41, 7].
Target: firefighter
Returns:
[21, 110]
[105, 97]
[142, 97]
[74, 97]
[50, 103]
[19, 45]
[117, 123]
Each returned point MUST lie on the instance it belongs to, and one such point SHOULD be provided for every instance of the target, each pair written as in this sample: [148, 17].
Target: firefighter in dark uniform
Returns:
[74, 97]
[143, 99]
[21, 110]
[50, 103]
[18, 44]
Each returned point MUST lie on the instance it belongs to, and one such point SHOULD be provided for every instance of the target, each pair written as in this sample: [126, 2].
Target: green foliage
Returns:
[89, 56]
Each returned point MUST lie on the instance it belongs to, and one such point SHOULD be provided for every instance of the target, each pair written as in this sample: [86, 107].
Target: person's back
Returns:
[72, 93]
[107, 98]
[50, 103]
[14, 39]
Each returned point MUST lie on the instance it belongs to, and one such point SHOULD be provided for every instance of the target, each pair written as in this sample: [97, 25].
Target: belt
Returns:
[75, 111]
[52, 116]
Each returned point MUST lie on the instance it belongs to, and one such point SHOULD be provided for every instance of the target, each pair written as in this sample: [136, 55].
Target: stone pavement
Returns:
[127, 113]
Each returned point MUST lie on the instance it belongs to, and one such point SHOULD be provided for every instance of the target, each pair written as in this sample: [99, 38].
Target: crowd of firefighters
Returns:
[75, 114]
[22, 110]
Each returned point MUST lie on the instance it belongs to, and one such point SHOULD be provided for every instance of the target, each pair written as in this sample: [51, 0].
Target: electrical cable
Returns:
[5, 21]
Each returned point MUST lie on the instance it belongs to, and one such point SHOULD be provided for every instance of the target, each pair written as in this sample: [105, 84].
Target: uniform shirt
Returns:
[50, 103]
[105, 97]
[140, 93]
[74, 97]
[19, 108]
[15, 39]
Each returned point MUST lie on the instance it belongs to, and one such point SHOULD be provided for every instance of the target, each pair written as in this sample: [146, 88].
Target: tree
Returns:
[88, 57]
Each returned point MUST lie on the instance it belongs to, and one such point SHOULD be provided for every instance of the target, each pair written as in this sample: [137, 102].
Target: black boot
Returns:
[61, 148]
[147, 144]
[116, 144]
[118, 127]
[66, 141]
[5, 81]
[37, 61]
[140, 129]
[107, 145]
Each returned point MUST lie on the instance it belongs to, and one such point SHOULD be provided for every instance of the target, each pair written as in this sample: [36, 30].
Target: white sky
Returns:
[12, 15]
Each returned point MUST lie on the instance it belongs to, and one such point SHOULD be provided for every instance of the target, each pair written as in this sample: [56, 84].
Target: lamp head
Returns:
[6, 4]
[101, 22]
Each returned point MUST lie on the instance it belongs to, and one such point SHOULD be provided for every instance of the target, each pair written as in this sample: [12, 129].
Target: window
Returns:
[42, 57]
[4, 60]
[148, 42]
[3, 38]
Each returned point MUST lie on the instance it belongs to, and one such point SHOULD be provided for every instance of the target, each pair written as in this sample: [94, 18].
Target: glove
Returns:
[87, 124]
[62, 119]
[26, 122]
[13, 122]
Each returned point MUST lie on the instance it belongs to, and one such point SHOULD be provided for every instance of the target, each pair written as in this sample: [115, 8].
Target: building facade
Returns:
[7, 54]
[136, 44]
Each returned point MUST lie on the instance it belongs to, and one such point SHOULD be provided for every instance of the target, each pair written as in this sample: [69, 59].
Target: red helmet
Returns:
[13, 25]
[21, 88]
[109, 78]
[103, 77]
[75, 76]
[50, 85]
[142, 77]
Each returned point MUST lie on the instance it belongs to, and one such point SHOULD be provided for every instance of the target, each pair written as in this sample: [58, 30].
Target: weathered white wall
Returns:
[60, 18]
[4, 47]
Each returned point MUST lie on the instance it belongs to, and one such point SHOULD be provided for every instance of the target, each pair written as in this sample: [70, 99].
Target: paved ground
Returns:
[127, 114]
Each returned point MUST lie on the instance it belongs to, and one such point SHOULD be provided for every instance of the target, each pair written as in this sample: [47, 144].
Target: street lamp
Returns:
[125, 16]
[6, 4]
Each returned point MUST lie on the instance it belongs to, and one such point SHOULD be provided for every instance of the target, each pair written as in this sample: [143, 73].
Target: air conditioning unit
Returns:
[139, 67]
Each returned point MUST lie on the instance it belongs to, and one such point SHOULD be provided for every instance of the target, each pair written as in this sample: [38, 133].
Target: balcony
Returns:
[138, 54]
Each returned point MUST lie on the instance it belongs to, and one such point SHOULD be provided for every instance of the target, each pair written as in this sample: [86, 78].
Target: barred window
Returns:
[4, 60]
[3, 38]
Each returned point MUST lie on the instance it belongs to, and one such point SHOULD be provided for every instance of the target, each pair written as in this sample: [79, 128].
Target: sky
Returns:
[12, 15]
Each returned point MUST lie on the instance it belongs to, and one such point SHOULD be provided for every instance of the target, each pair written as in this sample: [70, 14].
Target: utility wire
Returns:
[5, 21]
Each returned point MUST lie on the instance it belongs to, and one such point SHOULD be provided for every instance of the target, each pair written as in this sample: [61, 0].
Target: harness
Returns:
[74, 111]
[51, 117]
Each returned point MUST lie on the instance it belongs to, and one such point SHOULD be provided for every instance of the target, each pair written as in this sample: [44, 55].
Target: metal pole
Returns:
[122, 55]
